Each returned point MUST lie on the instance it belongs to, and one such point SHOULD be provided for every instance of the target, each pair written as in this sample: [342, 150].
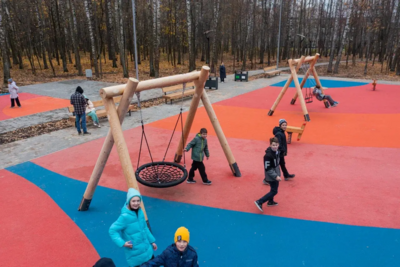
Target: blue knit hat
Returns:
[10, 80]
[282, 121]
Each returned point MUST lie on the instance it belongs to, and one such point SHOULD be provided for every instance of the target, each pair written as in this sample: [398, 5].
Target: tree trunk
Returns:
[335, 34]
[6, 65]
[344, 39]
[74, 33]
[89, 16]
[156, 37]
[61, 30]
[191, 35]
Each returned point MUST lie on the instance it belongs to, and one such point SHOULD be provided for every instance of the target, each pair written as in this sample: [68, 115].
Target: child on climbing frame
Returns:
[177, 254]
[199, 148]
[272, 173]
[130, 231]
[91, 111]
[320, 96]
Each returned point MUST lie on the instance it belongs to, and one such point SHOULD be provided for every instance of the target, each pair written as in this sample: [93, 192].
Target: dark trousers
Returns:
[202, 170]
[78, 119]
[270, 196]
[329, 98]
[16, 100]
[222, 79]
[282, 163]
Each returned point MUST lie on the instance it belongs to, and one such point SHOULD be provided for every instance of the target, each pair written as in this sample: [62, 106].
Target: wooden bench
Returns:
[175, 92]
[271, 71]
[291, 129]
[101, 113]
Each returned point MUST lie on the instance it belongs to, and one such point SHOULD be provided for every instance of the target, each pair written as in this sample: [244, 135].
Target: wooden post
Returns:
[220, 134]
[107, 146]
[284, 89]
[121, 146]
[199, 84]
[302, 102]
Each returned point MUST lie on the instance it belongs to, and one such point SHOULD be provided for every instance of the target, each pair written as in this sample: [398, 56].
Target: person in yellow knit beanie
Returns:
[178, 254]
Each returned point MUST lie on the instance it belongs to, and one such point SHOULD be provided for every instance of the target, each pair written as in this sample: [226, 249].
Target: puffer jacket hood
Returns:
[132, 192]
[277, 129]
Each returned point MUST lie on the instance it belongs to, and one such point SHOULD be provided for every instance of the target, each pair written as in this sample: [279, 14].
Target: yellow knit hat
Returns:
[182, 234]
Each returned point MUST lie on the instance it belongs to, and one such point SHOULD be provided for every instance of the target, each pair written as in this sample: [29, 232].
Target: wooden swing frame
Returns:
[117, 115]
[295, 65]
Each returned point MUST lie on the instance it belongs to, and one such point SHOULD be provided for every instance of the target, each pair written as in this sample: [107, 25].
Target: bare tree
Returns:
[6, 66]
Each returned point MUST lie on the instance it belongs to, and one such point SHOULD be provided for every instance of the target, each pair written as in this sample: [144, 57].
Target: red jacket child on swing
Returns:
[321, 96]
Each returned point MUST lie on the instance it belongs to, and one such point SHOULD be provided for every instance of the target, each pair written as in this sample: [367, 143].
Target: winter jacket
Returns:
[199, 147]
[172, 257]
[132, 227]
[13, 89]
[89, 107]
[271, 165]
[318, 94]
[280, 134]
[222, 71]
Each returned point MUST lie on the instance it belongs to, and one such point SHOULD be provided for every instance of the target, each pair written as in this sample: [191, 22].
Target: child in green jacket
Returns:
[199, 148]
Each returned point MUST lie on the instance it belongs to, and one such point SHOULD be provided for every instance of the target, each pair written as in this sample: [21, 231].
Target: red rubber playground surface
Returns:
[31, 104]
[341, 209]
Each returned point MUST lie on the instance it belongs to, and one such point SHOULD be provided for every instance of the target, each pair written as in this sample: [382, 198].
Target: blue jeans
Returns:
[93, 115]
[78, 118]
[273, 191]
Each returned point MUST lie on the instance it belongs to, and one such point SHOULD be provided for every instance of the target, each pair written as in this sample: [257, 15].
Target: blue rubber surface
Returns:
[4, 94]
[222, 237]
[325, 83]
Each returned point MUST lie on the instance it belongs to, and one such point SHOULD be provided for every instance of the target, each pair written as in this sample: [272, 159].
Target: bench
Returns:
[271, 71]
[101, 113]
[175, 91]
[291, 129]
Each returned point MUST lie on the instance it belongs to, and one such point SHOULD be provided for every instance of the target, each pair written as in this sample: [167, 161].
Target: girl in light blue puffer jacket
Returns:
[130, 231]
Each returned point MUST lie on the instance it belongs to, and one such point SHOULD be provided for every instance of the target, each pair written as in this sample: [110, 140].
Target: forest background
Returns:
[49, 40]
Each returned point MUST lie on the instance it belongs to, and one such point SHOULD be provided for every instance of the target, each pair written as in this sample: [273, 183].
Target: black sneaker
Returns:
[87, 133]
[289, 177]
[265, 182]
[79, 133]
[191, 181]
[207, 183]
[259, 206]
[272, 203]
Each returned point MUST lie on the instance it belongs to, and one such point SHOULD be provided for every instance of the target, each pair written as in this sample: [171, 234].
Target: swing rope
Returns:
[308, 97]
[171, 173]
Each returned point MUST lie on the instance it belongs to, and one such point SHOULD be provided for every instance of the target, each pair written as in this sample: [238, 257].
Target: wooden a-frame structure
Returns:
[295, 65]
[116, 117]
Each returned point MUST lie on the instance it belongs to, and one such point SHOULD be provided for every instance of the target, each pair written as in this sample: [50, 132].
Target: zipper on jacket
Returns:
[201, 148]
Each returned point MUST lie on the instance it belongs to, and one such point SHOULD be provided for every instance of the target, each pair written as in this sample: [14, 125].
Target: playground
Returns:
[341, 209]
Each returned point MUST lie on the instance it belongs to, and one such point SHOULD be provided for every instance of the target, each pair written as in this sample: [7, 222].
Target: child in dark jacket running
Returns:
[279, 132]
[199, 148]
[272, 173]
[320, 96]
[179, 254]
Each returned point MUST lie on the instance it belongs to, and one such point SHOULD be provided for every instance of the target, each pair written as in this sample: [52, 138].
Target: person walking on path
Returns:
[178, 254]
[91, 111]
[199, 148]
[131, 233]
[79, 103]
[222, 72]
[279, 132]
[272, 173]
[13, 89]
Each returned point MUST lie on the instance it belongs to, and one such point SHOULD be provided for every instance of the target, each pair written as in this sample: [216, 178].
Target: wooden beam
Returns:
[287, 84]
[107, 146]
[297, 85]
[220, 134]
[199, 84]
[117, 90]
[122, 148]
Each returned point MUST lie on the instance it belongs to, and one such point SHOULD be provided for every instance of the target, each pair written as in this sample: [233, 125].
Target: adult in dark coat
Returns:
[279, 133]
[222, 72]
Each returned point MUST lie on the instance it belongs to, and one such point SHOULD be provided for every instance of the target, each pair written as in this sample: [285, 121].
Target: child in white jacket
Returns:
[13, 89]
[91, 111]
